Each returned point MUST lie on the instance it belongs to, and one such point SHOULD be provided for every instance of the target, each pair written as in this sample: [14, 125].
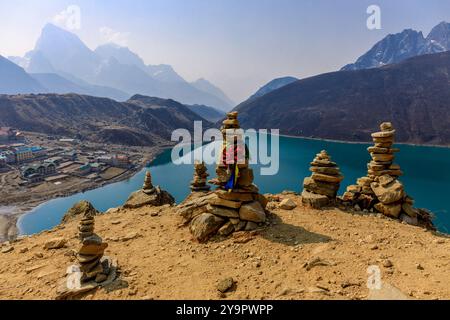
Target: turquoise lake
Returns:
[426, 178]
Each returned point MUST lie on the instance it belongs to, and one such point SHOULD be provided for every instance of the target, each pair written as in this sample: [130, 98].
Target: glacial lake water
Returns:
[426, 178]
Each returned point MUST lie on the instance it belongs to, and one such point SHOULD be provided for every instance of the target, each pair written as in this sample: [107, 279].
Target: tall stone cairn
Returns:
[226, 210]
[90, 252]
[198, 183]
[380, 190]
[321, 188]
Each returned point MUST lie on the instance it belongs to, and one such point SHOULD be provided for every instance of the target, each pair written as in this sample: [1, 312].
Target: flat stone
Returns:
[323, 163]
[315, 201]
[225, 203]
[382, 157]
[205, 225]
[222, 212]
[377, 150]
[234, 196]
[326, 178]
[245, 177]
[334, 171]
[385, 180]
[287, 204]
[252, 212]
[383, 134]
[82, 258]
[55, 243]
[92, 249]
[262, 200]
[7, 249]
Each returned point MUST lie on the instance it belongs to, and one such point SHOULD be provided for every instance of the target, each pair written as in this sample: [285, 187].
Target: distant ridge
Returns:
[348, 105]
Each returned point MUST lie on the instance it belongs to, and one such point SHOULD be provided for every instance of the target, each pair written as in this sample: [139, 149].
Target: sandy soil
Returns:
[159, 260]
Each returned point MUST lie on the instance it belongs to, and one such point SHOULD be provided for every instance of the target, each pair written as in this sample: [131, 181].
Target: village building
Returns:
[37, 172]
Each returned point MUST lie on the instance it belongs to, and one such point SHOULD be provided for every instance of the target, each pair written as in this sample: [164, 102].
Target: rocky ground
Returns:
[303, 254]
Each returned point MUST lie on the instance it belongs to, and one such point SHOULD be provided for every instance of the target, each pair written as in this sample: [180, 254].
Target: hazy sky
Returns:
[237, 44]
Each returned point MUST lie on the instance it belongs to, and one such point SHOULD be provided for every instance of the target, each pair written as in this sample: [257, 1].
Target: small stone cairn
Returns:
[90, 254]
[380, 190]
[93, 269]
[321, 188]
[227, 209]
[198, 183]
[149, 195]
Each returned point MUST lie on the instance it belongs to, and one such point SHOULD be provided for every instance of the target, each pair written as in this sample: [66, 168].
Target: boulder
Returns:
[252, 212]
[390, 193]
[315, 201]
[204, 225]
[287, 204]
[140, 199]
[391, 210]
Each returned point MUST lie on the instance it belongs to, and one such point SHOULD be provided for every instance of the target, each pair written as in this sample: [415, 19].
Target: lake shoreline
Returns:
[362, 142]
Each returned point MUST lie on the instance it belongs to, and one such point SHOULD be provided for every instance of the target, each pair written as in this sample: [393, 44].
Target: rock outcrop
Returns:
[80, 209]
[380, 190]
[236, 204]
[321, 188]
[149, 195]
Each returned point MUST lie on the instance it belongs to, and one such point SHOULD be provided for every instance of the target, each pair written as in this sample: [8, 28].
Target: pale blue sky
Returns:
[239, 45]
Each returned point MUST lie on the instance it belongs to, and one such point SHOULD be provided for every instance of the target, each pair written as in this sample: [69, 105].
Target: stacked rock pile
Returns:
[149, 195]
[321, 188]
[90, 253]
[236, 204]
[380, 190]
[198, 183]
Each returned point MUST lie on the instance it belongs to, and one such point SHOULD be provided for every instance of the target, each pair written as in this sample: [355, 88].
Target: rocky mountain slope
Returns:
[13, 79]
[61, 52]
[209, 113]
[348, 105]
[301, 254]
[271, 86]
[398, 47]
[139, 121]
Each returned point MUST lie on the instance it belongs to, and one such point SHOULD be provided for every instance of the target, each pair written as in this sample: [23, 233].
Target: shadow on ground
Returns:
[291, 235]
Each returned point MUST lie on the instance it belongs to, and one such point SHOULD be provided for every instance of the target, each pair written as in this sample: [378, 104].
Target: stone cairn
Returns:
[149, 195]
[380, 190]
[198, 183]
[236, 204]
[90, 254]
[148, 187]
[321, 188]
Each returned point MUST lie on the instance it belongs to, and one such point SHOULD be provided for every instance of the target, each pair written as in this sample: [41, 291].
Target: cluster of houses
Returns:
[37, 164]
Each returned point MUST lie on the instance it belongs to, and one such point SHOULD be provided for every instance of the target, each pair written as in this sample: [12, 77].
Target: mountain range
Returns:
[271, 86]
[398, 47]
[348, 105]
[111, 71]
[140, 121]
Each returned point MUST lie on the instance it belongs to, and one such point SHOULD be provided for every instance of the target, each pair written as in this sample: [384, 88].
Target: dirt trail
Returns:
[307, 254]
